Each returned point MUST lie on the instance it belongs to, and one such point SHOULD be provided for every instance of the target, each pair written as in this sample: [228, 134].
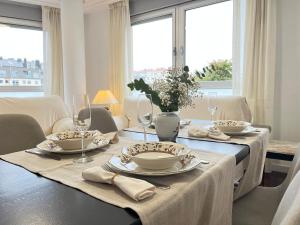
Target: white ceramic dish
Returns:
[116, 164]
[246, 131]
[71, 140]
[231, 125]
[49, 146]
[155, 155]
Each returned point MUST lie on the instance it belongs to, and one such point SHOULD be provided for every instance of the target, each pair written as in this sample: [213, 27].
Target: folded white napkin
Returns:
[212, 132]
[134, 188]
[113, 137]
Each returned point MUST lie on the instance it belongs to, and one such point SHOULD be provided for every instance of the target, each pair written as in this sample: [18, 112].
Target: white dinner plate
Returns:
[92, 146]
[247, 130]
[132, 168]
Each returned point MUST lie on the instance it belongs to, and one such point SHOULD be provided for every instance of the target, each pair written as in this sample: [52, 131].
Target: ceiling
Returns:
[56, 3]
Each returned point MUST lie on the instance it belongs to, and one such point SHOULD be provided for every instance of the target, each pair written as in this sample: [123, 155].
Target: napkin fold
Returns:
[134, 188]
[112, 136]
[212, 132]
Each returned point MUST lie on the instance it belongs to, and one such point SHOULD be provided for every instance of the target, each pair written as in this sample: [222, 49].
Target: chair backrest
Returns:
[288, 211]
[228, 108]
[295, 167]
[101, 120]
[19, 132]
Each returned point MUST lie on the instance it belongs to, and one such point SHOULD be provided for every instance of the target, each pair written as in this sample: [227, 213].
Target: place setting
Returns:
[78, 140]
[154, 159]
[221, 130]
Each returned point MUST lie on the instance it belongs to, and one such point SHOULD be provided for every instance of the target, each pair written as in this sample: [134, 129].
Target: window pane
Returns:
[152, 48]
[209, 42]
[21, 62]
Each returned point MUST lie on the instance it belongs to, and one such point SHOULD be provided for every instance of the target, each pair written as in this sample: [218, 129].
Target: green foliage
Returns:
[216, 70]
[141, 86]
[173, 91]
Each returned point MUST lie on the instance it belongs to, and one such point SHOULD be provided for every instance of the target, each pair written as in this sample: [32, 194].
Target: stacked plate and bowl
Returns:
[69, 142]
[233, 127]
[154, 159]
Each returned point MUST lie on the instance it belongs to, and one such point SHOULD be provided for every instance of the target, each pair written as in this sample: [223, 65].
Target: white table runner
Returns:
[201, 196]
[257, 143]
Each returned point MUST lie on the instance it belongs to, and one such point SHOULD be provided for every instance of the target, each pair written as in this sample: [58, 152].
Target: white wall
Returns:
[97, 49]
[287, 97]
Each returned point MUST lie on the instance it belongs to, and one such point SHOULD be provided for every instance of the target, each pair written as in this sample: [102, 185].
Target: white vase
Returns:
[167, 126]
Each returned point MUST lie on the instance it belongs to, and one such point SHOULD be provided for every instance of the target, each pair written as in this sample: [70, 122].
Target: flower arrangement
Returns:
[175, 90]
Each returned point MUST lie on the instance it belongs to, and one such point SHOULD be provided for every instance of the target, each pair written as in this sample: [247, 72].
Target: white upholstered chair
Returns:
[229, 107]
[288, 212]
[259, 206]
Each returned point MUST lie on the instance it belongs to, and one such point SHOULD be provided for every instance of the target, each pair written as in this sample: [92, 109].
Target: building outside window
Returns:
[21, 61]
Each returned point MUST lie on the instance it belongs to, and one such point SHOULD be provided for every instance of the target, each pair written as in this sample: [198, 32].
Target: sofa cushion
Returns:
[45, 110]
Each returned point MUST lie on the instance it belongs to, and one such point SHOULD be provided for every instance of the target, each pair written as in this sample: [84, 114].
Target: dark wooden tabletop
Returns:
[27, 199]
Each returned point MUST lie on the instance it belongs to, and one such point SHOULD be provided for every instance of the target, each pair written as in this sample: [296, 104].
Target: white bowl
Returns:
[155, 155]
[70, 140]
[231, 125]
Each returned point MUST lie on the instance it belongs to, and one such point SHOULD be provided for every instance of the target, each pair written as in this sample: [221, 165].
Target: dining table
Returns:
[28, 198]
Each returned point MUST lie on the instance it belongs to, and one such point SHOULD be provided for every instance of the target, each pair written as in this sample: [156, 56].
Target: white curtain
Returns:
[238, 45]
[254, 55]
[53, 64]
[120, 52]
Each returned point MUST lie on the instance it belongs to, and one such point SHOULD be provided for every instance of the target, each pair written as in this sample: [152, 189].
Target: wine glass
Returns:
[144, 111]
[212, 107]
[81, 112]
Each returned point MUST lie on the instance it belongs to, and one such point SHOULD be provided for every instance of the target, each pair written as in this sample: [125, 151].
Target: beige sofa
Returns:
[47, 111]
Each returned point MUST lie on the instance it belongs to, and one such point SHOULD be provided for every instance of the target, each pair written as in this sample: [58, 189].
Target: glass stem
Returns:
[145, 135]
[82, 147]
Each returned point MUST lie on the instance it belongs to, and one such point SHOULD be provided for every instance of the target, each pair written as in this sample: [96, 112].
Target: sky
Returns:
[208, 37]
[21, 43]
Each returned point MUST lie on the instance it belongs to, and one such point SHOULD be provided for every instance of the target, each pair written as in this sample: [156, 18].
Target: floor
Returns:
[273, 179]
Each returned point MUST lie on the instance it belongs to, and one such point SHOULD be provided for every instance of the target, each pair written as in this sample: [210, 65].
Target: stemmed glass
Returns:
[144, 111]
[212, 107]
[81, 112]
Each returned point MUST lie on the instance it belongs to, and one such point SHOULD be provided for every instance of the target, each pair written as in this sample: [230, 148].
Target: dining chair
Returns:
[19, 132]
[258, 207]
[101, 119]
[288, 212]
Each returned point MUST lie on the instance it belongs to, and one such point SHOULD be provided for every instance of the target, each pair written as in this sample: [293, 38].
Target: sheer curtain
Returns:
[254, 56]
[120, 47]
[53, 65]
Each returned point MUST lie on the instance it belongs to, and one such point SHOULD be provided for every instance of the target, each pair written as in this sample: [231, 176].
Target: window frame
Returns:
[178, 14]
[182, 34]
[157, 15]
[22, 24]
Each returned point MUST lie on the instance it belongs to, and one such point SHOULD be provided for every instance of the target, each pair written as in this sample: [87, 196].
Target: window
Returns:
[152, 48]
[202, 40]
[21, 56]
